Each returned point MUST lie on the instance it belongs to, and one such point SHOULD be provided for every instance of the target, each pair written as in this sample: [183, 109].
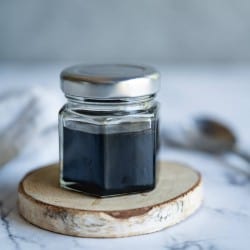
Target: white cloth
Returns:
[27, 117]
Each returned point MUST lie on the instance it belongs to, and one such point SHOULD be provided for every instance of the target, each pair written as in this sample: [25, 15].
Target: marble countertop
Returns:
[223, 221]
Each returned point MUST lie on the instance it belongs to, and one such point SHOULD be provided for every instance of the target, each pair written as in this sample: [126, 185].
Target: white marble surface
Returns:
[223, 222]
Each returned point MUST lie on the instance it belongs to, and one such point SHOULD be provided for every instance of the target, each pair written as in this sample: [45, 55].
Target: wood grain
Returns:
[42, 202]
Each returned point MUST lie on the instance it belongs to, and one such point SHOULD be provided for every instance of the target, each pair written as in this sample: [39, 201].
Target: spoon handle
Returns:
[244, 155]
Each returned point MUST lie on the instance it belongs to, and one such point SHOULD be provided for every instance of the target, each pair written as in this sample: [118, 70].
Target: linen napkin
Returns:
[27, 115]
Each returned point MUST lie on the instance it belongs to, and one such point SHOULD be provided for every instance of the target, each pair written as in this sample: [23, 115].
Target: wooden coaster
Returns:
[43, 203]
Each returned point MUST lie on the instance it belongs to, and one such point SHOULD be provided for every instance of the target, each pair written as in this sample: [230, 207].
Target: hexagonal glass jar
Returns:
[108, 130]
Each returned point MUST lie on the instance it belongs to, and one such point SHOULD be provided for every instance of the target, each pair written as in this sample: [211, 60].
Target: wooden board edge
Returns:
[109, 224]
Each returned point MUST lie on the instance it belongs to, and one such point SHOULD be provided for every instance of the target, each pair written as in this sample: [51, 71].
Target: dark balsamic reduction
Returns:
[109, 164]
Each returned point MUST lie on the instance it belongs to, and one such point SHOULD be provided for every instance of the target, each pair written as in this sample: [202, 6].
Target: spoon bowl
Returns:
[212, 135]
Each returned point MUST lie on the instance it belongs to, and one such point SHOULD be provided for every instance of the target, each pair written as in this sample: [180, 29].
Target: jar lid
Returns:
[109, 81]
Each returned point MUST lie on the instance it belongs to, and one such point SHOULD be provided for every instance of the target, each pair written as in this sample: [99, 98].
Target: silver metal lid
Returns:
[109, 81]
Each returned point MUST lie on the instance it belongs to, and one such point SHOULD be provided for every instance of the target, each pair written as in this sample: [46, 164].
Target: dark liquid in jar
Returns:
[109, 164]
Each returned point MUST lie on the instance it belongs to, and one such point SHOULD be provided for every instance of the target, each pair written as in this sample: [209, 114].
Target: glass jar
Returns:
[108, 129]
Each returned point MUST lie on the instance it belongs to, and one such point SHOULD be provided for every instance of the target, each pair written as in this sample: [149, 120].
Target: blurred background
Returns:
[161, 31]
[200, 48]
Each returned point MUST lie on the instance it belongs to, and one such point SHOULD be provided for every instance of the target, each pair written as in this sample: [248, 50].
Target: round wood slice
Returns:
[42, 202]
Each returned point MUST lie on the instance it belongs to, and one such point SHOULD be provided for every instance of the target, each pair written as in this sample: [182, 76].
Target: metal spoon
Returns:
[204, 134]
